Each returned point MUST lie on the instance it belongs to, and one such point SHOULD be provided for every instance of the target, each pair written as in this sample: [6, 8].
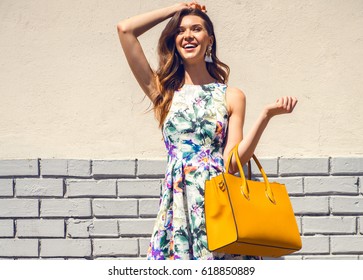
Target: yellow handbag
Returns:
[249, 217]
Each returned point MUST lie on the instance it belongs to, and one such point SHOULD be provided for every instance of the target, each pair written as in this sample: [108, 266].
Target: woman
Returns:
[194, 108]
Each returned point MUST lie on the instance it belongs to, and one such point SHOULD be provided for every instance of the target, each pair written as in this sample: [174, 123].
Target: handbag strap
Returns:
[249, 165]
[244, 187]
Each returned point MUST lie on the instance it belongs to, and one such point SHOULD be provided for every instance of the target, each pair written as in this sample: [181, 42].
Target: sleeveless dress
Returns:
[194, 133]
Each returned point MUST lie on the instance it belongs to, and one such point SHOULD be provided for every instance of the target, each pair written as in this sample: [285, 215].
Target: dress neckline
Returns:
[201, 85]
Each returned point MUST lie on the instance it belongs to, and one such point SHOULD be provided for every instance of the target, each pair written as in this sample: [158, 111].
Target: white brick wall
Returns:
[115, 207]
[131, 227]
[329, 225]
[115, 247]
[315, 245]
[104, 228]
[13, 207]
[91, 188]
[6, 228]
[19, 247]
[347, 205]
[65, 248]
[99, 209]
[40, 228]
[6, 187]
[39, 187]
[78, 207]
[77, 228]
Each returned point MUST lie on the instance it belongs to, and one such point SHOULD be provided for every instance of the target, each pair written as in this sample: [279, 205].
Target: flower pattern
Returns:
[194, 133]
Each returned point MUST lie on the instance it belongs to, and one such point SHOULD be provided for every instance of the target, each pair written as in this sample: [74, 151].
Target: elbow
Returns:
[123, 28]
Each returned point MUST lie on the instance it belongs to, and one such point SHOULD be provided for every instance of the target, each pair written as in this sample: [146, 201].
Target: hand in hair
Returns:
[195, 5]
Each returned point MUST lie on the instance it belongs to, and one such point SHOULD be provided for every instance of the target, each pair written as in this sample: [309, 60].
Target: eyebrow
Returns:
[194, 25]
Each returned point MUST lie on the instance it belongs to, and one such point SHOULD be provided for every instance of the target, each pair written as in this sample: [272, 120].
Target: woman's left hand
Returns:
[283, 105]
[195, 5]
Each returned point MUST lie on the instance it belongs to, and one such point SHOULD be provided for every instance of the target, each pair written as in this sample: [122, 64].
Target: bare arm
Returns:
[248, 144]
[128, 31]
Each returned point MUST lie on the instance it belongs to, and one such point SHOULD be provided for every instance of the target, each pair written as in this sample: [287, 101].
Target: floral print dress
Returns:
[195, 135]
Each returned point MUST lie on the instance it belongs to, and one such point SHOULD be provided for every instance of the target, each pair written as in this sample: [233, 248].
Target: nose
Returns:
[188, 34]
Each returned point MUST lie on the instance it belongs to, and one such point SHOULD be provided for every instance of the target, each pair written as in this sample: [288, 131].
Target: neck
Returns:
[197, 74]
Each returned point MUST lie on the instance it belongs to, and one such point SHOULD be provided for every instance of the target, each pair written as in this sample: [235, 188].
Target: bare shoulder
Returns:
[236, 98]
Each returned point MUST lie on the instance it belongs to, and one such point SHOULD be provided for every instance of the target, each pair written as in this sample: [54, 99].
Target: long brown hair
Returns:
[170, 74]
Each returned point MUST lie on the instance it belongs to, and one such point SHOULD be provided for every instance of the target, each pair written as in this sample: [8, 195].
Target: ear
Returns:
[211, 40]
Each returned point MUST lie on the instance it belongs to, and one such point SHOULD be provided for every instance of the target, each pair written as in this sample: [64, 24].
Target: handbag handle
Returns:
[244, 187]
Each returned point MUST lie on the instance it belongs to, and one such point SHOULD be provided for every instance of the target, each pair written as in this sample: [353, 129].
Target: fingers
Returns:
[195, 5]
[286, 103]
[294, 102]
[291, 103]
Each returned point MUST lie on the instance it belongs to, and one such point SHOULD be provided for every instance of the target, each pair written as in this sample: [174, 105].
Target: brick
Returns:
[40, 228]
[331, 257]
[114, 168]
[347, 244]
[292, 257]
[148, 207]
[19, 167]
[329, 225]
[115, 208]
[65, 167]
[269, 165]
[151, 168]
[104, 228]
[65, 248]
[310, 205]
[293, 185]
[6, 228]
[331, 185]
[303, 166]
[74, 207]
[78, 228]
[299, 223]
[18, 248]
[139, 188]
[53, 167]
[14, 207]
[144, 246]
[346, 205]
[115, 247]
[39, 187]
[91, 188]
[79, 168]
[118, 259]
[6, 187]
[361, 225]
[136, 227]
[279, 258]
[314, 245]
[345, 165]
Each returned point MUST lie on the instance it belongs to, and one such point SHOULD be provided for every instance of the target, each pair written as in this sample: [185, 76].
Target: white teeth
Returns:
[188, 46]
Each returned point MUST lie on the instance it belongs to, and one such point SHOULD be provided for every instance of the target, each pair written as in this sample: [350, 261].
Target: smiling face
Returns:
[192, 39]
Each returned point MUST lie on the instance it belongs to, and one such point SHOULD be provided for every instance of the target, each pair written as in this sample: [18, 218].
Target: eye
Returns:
[180, 30]
[197, 28]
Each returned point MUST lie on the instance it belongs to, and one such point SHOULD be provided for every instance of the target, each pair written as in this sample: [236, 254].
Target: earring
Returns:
[208, 55]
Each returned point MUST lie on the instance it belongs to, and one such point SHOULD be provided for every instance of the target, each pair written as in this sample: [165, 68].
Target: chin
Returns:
[192, 59]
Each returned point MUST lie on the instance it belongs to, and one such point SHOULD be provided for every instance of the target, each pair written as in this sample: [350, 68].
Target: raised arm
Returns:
[128, 31]
[248, 144]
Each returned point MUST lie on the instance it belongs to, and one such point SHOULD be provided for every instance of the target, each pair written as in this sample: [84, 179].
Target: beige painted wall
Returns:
[67, 92]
